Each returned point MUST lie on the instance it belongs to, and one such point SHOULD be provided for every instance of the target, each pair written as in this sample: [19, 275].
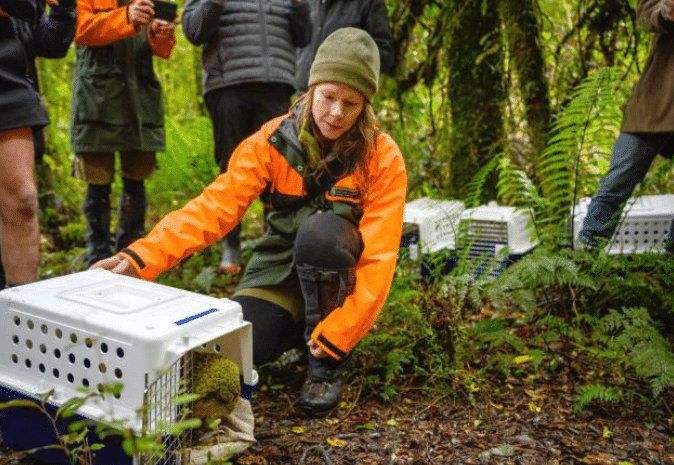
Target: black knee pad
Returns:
[329, 242]
[327, 248]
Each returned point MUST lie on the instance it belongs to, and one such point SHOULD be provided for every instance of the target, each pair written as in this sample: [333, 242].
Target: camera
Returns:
[165, 10]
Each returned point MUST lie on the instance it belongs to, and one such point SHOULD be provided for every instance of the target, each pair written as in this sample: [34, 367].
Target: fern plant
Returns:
[576, 136]
[645, 350]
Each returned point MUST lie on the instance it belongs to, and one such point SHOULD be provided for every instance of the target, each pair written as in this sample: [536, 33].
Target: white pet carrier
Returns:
[95, 328]
[430, 225]
[643, 226]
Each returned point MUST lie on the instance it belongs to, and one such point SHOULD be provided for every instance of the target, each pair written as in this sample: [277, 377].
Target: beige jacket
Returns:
[650, 108]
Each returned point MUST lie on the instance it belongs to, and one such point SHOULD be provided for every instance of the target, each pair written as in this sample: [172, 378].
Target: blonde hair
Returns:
[351, 149]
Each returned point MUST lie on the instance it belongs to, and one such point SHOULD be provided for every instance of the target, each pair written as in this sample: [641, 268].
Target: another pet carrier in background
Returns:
[430, 225]
[492, 237]
[92, 329]
[643, 226]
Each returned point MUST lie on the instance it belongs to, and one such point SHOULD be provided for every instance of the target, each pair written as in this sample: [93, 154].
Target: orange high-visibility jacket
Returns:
[258, 163]
[103, 22]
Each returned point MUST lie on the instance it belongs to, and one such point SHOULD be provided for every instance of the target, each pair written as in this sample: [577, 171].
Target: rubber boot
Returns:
[131, 216]
[97, 214]
[230, 259]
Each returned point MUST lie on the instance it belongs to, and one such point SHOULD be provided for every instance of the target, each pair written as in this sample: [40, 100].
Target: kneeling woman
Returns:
[338, 185]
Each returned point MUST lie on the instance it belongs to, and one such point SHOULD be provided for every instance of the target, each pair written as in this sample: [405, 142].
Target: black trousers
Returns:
[238, 111]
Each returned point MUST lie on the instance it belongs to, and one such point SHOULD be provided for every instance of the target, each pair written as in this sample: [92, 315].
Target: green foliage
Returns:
[595, 392]
[185, 168]
[646, 351]
[567, 161]
[403, 343]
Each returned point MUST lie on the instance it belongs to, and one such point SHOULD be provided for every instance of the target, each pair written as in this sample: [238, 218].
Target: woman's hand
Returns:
[316, 350]
[140, 12]
[117, 264]
[163, 29]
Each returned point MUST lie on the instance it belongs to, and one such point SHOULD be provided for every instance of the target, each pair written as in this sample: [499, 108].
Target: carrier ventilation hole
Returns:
[118, 373]
[31, 324]
[104, 347]
[58, 333]
[15, 358]
[17, 321]
[44, 329]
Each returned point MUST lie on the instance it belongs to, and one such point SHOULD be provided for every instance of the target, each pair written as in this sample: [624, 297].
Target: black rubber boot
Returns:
[97, 214]
[131, 216]
[322, 390]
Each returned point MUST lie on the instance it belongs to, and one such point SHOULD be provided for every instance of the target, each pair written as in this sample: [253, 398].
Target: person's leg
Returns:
[231, 125]
[274, 329]
[327, 248]
[632, 157]
[97, 169]
[19, 233]
[136, 167]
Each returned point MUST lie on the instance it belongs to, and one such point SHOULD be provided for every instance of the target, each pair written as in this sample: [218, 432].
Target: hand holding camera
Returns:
[140, 12]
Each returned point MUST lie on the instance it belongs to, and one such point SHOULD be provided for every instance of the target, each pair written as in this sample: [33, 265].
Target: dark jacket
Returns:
[32, 33]
[117, 100]
[246, 41]
[329, 15]
[26, 10]
[651, 105]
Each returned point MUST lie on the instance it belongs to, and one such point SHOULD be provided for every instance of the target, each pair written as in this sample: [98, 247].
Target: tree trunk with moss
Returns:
[476, 92]
[522, 33]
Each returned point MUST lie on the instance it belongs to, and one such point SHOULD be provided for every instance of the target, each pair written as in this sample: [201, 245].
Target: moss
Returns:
[216, 379]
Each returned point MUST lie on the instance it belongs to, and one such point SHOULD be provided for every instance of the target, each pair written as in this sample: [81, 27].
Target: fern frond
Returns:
[646, 350]
[595, 392]
[476, 184]
[562, 167]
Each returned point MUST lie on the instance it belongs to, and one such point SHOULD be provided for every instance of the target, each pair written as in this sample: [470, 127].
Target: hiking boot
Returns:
[322, 390]
[319, 396]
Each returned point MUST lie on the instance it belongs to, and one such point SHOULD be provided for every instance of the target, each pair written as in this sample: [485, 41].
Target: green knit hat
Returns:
[348, 56]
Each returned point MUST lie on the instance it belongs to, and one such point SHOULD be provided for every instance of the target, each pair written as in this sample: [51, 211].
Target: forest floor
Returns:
[525, 423]
[504, 420]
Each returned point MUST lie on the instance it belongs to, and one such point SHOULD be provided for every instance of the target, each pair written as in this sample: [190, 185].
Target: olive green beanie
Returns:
[348, 56]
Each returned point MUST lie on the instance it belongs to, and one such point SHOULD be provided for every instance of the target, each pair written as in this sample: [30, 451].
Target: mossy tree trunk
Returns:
[520, 20]
[476, 92]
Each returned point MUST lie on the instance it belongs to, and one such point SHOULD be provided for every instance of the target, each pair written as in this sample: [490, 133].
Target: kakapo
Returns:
[216, 380]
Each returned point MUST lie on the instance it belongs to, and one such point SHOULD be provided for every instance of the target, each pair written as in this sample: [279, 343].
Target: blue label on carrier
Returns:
[194, 317]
